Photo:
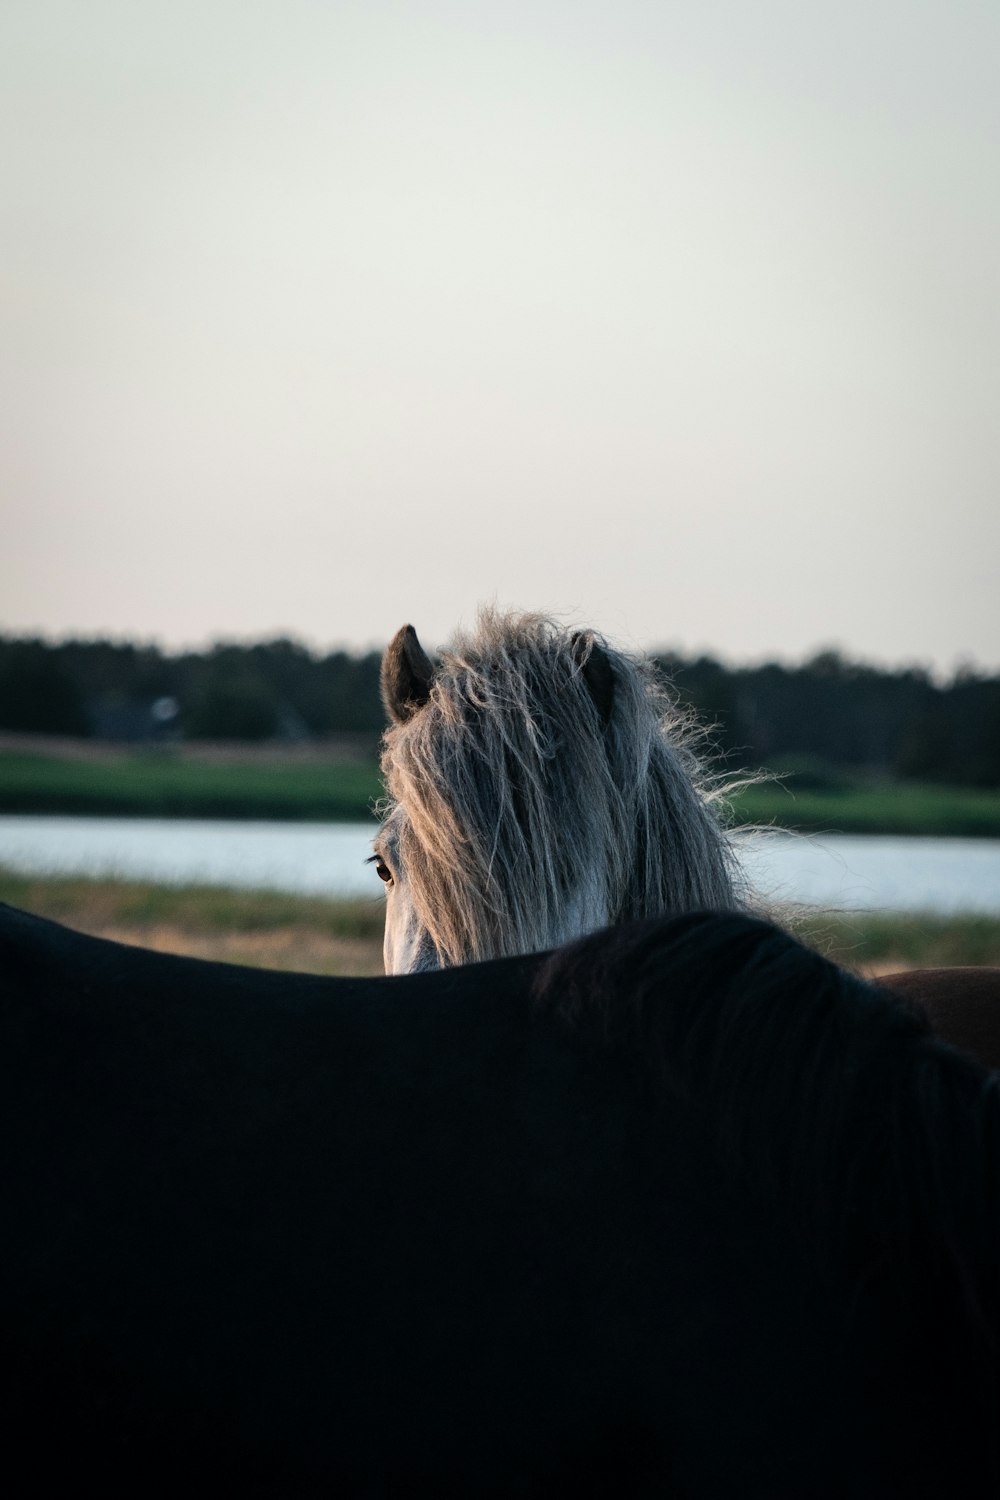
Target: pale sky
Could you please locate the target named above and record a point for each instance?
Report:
(683, 322)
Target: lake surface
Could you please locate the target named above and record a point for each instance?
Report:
(839, 870)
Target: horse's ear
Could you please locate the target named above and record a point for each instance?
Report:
(593, 661)
(407, 676)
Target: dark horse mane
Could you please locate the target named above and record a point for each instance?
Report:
(822, 1090)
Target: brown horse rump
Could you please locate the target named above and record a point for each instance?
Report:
(962, 1005)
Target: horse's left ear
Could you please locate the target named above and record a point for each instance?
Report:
(407, 676)
(592, 659)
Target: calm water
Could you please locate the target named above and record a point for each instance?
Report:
(843, 871)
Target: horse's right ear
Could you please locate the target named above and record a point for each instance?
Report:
(592, 659)
(407, 676)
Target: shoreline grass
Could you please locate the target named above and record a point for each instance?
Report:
(877, 942)
(270, 929)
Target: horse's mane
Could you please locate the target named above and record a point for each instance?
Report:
(525, 815)
(821, 1090)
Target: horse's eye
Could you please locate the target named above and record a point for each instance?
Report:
(382, 870)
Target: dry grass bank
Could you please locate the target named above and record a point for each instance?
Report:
(272, 930)
(266, 929)
(299, 949)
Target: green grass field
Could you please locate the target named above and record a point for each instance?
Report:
(273, 930)
(166, 785)
(909, 808)
(171, 784)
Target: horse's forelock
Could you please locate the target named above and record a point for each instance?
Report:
(526, 816)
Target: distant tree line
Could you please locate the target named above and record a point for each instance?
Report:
(108, 690)
(833, 713)
(826, 716)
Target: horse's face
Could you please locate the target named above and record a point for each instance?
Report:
(541, 787)
(489, 724)
(406, 947)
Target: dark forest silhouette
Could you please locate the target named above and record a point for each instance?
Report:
(824, 718)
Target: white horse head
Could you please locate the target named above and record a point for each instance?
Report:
(541, 785)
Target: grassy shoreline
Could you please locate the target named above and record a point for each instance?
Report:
(908, 809)
(273, 930)
(159, 784)
(173, 784)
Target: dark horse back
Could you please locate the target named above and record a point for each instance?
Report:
(428, 1235)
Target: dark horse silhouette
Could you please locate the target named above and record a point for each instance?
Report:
(680, 1210)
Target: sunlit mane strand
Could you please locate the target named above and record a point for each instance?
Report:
(543, 784)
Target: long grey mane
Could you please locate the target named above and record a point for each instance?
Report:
(525, 811)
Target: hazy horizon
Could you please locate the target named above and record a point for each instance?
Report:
(677, 322)
(651, 648)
